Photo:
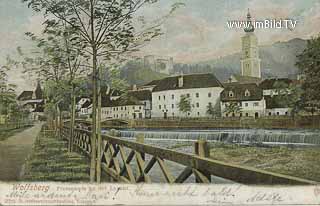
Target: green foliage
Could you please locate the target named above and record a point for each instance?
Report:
(308, 63)
(50, 161)
(288, 96)
(135, 73)
(185, 104)
(213, 112)
(232, 108)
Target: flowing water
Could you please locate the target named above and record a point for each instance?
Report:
(182, 140)
(295, 137)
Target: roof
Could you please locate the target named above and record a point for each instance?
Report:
(38, 92)
(239, 91)
(86, 104)
(154, 82)
(189, 82)
(246, 79)
(25, 95)
(269, 83)
(141, 95)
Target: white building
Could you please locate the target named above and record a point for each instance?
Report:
(248, 97)
(270, 89)
(86, 109)
(123, 109)
(201, 89)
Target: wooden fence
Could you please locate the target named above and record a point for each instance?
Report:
(118, 156)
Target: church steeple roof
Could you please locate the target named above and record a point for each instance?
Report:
(249, 26)
(38, 92)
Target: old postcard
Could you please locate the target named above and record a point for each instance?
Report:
(159, 102)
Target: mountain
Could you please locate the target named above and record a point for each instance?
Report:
(277, 60)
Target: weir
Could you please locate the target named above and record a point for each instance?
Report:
(277, 137)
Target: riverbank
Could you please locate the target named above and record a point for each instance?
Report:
(243, 123)
(298, 162)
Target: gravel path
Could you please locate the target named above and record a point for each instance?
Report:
(14, 151)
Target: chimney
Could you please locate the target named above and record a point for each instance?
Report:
(180, 81)
(134, 87)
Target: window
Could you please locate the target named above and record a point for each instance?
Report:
(231, 94)
(240, 114)
(278, 113)
(125, 108)
(121, 108)
(159, 98)
(210, 104)
(247, 115)
(188, 95)
(133, 107)
(247, 93)
(159, 106)
(197, 105)
(270, 113)
(140, 108)
(233, 114)
(256, 104)
(164, 97)
(172, 106)
(197, 95)
(209, 94)
(286, 113)
(198, 113)
(246, 104)
(172, 96)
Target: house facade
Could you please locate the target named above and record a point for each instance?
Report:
(271, 88)
(33, 102)
(242, 100)
(200, 89)
(123, 108)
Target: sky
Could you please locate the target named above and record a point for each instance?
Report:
(195, 32)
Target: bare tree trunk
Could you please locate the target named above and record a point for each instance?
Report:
(94, 98)
(99, 127)
(72, 122)
(56, 120)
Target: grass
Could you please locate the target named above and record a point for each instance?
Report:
(298, 162)
(50, 161)
(6, 133)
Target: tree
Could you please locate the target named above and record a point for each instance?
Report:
(288, 96)
(213, 112)
(232, 108)
(184, 104)
(107, 30)
(308, 63)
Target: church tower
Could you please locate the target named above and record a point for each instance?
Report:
(250, 61)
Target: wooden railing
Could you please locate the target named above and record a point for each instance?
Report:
(118, 156)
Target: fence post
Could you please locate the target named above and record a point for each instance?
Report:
(201, 149)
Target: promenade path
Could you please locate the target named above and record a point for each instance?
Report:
(14, 151)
